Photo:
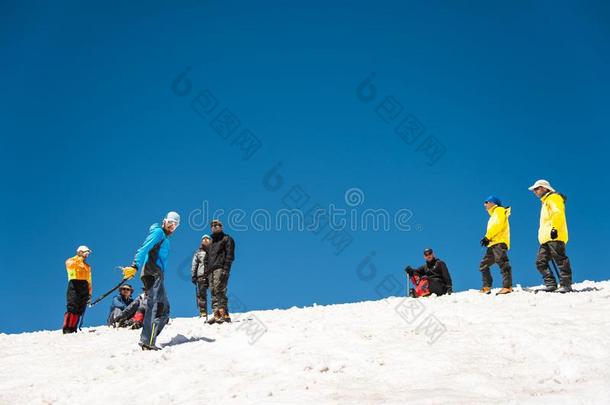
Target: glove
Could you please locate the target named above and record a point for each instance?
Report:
(485, 242)
(409, 270)
(194, 279)
(449, 290)
(129, 272)
(554, 234)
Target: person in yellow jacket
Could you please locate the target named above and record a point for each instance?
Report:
(497, 242)
(553, 237)
(79, 288)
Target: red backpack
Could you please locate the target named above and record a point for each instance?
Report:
(420, 286)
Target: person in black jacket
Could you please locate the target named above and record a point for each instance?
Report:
(217, 263)
(439, 280)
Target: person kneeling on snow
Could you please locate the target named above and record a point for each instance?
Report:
(133, 315)
(119, 303)
(431, 278)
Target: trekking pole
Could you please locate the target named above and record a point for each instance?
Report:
(82, 319)
(116, 287)
(554, 267)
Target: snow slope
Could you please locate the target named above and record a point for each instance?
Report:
(463, 348)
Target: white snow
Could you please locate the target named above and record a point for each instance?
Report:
(518, 348)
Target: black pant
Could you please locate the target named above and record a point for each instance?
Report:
(77, 296)
(202, 285)
(436, 287)
(496, 254)
(556, 251)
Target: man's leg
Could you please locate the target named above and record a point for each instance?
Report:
(486, 262)
(223, 300)
(162, 310)
(76, 302)
(152, 286)
(436, 287)
(542, 264)
(500, 252)
(558, 253)
(215, 284)
(202, 295)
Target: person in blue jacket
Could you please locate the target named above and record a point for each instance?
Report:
(151, 260)
(119, 303)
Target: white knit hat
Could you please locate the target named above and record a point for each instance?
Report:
(541, 183)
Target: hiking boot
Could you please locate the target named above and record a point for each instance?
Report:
(548, 288)
(223, 315)
(485, 290)
(146, 347)
(505, 291)
(564, 289)
(217, 318)
(203, 314)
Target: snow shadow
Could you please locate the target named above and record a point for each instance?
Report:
(587, 289)
(181, 339)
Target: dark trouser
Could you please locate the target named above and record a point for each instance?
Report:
(556, 251)
(496, 254)
(436, 287)
(77, 296)
(114, 315)
(157, 309)
(219, 280)
(202, 293)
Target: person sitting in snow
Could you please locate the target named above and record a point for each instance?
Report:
(133, 315)
(119, 303)
(431, 278)
(79, 288)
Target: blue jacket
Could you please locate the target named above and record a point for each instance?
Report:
(151, 258)
(119, 302)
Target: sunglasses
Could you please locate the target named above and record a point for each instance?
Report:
(216, 226)
(173, 223)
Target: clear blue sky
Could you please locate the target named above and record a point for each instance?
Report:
(97, 146)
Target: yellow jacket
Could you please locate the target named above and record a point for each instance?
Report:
(79, 270)
(553, 215)
(498, 228)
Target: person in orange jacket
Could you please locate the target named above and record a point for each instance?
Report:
(79, 288)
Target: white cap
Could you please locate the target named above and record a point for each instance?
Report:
(83, 249)
(205, 236)
(172, 217)
(541, 183)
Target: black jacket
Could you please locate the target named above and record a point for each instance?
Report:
(436, 270)
(220, 253)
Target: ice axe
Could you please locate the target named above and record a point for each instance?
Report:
(116, 287)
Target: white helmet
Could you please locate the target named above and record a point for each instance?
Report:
(83, 249)
(172, 217)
